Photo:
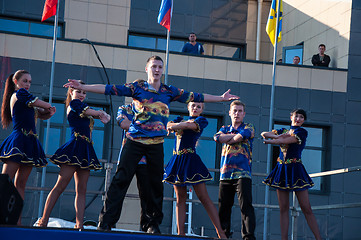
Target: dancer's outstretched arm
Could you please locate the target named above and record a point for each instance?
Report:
(223, 98)
(95, 88)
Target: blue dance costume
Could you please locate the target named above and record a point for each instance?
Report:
(78, 151)
(289, 173)
(22, 145)
(186, 167)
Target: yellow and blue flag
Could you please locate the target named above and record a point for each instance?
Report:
(272, 20)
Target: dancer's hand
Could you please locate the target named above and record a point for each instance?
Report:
(52, 110)
(104, 117)
(73, 84)
(228, 97)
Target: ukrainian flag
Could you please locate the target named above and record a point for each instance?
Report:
(272, 19)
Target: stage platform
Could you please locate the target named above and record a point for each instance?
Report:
(32, 233)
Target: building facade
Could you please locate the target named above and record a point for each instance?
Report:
(125, 34)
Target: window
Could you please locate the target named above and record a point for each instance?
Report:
(60, 132)
(290, 52)
(314, 153)
(206, 147)
(29, 27)
(176, 45)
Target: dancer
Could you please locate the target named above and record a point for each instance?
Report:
(236, 170)
(76, 157)
(186, 168)
(145, 136)
(290, 174)
(21, 150)
(148, 215)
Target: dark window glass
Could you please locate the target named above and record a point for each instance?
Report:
(143, 42)
(14, 26)
(29, 27)
(174, 45)
(58, 117)
(44, 30)
(160, 43)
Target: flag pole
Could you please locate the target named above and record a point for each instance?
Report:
(270, 124)
(167, 49)
(41, 198)
(167, 58)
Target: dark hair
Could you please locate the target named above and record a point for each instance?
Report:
(238, 103)
(298, 57)
(192, 33)
(322, 45)
(8, 92)
(299, 111)
(154, 58)
(68, 95)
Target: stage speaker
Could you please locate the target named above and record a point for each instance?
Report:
(11, 203)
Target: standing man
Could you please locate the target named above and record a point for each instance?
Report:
(321, 59)
(235, 171)
(150, 218)
(296, 60)
(192, 46)
(145, 136)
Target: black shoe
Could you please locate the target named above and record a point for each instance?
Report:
(104, 227)
(229, 234)
(154, 229)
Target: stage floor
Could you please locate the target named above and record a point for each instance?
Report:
(30, 233)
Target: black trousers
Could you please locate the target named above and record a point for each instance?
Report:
(149, 214)
(227, 190)
(131, 154)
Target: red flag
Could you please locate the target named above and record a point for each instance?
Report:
(49, 9)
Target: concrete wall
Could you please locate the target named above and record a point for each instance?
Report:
(97, 20)
(314, 22)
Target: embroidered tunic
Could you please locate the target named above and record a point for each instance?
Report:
(151, 108)
(236, 159)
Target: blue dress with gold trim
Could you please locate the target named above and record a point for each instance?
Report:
(289, 173)
(79, 150)
(22, 145)
(186, 167)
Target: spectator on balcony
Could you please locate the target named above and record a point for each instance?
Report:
(192, 46)
(321, 59)
(296, 60)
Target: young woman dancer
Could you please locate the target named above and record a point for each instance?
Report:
(290, 174)
(76, 157)
(21, 151)
(186, 167)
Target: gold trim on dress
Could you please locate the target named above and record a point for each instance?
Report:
(82, 114)
(30, 104)
(76, 135)
(29, 133)
(183, 151)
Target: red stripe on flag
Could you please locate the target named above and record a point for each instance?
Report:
(166, 20)
(49, 9)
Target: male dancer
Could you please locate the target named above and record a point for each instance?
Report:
(236, 162)
(146, 134)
